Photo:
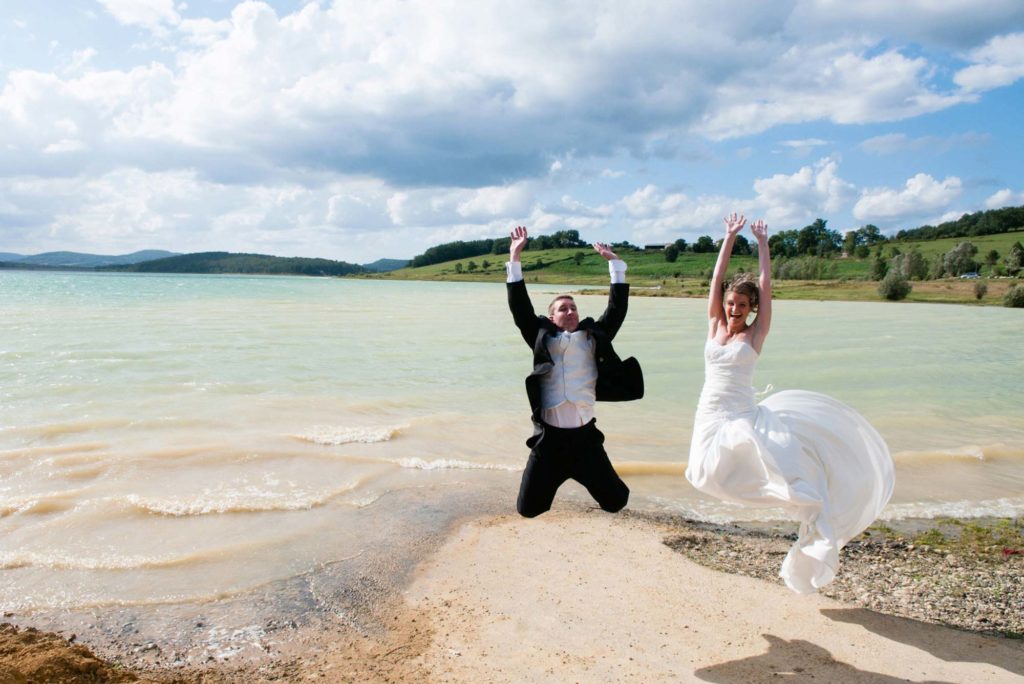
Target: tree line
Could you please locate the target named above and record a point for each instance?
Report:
(463, 249)
(253, 264)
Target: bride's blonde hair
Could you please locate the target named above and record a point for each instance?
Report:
(745, 284)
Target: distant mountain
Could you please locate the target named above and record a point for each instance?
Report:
(79, 260)
(385, 265)
(229, 262)
(10, 256)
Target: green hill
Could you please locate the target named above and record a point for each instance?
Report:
(254, 264)
(845, 278)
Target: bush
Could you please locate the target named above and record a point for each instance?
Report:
(1014, 297)
(980, 289)
(894, 286)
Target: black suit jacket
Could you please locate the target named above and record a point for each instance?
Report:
(617, 380)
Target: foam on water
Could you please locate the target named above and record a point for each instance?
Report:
(341, 434)
(451, 464)
(227, 499)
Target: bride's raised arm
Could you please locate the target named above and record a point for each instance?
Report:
(764, 283)
(716, 311)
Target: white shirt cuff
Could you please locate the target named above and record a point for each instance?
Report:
(513, 271)
(617, 270)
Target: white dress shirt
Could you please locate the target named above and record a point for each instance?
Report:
(568, 391)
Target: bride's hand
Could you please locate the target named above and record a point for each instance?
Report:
(734, 224)
(760, 229)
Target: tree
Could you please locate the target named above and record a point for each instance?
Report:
(850, 242)
(704, 244)
(991, 258)
(782, 243)
(1014, 260)
(912, 265)
(458, 267)
(741, 245)
(869, 235)
(960, 259)
(578, 258)
(485, 264)
(878, 268)
(817, 239)
(681, 245)
(671, 253)
(472, 266)
(980, 289)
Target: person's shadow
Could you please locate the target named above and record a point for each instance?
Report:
(944, 643)
(795, 660)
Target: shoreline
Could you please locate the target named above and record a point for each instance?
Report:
(408, 631)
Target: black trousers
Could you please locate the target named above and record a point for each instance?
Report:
(576, 453)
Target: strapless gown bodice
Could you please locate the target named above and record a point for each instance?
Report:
(805, 452)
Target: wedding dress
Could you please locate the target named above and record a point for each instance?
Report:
(805, 452)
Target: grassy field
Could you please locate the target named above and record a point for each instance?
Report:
(689, 275)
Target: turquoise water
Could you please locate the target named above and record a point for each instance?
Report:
(177, 438)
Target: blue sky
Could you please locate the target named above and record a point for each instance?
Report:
(362, 129)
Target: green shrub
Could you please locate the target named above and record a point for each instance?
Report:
(894, 286)
(980, 289)
(1014, 297)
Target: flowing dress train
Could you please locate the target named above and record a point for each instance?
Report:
(805, 452)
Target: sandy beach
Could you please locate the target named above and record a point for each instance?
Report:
(581, 596)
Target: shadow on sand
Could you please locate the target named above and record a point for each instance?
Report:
(795, 660)
(945, 643)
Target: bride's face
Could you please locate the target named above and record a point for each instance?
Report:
(737, 309)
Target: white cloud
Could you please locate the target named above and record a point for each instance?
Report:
(899, 143)
(805, 146)
(811, 192)
(839, 82)
(921, 196)
(422, 119)
(1000, 62)
(1005, 198)
(148, 13)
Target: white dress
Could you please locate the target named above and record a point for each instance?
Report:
(805, 452)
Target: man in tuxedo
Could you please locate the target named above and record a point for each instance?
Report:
(574, 365)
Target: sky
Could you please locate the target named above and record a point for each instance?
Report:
(366, 129)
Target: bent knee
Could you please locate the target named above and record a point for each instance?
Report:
(531, 512)
(617, 504)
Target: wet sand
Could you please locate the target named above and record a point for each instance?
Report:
(580, 595)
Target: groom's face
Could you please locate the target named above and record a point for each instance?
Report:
(563, 313)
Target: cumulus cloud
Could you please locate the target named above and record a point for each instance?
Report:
(840, 82)
(423, 119)
(810, 192)
(921, 196)
(1000, 62)
(1005, 198)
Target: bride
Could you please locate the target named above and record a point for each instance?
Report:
(805, 452)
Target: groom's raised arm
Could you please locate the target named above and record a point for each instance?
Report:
(618, 295)
(518, 300)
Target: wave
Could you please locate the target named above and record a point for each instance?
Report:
(451, 464)
(985, 452)
(248, 500)
(42, 504)
(336, 435)
(992, 508)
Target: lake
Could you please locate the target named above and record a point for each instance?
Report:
(169, 439)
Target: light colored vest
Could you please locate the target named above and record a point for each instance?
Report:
(573, 378)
